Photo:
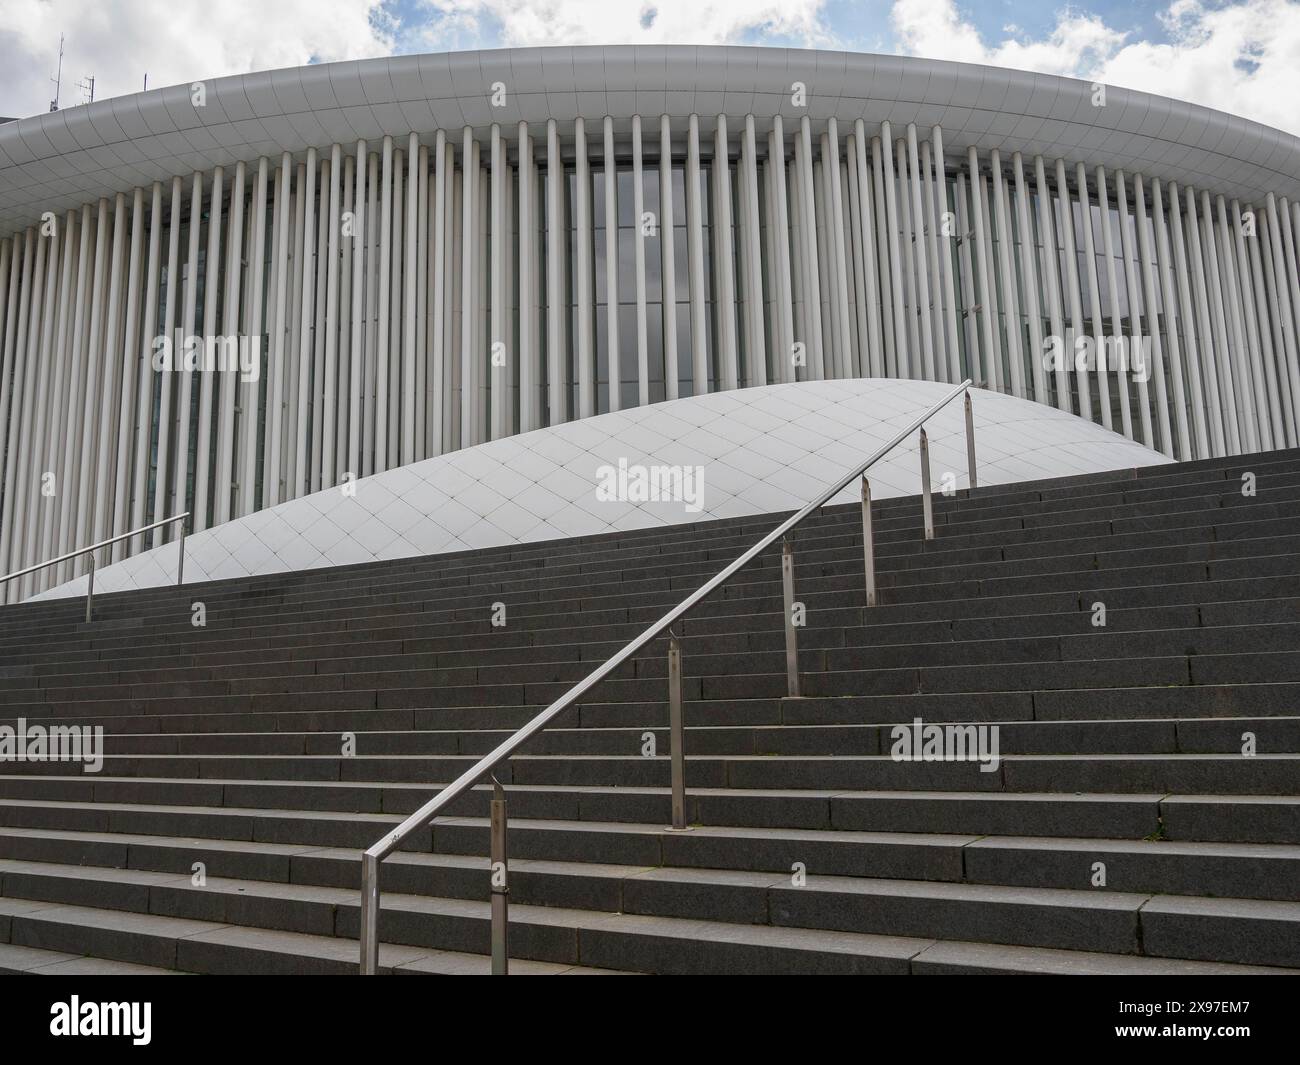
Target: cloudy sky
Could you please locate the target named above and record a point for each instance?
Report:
(1241, 56)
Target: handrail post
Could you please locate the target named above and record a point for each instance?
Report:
(868, 543)
(500, 882)
(927, 506)
(970, 443)
(369, 914)
(791, 635)
(676, 738)
(90, 588)
(180, 559)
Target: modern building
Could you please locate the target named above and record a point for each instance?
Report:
(225, 296)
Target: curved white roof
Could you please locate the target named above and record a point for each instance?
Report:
(56, 161)
(761, 450)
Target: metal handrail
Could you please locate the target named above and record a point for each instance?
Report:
(90, 587)
(369, 941)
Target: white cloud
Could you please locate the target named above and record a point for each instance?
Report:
(576, 22)
(1241, 57)
(173, 41)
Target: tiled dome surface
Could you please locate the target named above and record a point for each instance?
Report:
(762, 450)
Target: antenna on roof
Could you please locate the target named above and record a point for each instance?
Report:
(58, 78)
(87, 86)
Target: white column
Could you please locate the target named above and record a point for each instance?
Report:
(812, 281)
(1153, 319)
(174, 456)
(436, 394)
(900, 365)
(424, 341)
(638, 239)
(130, 359)
(1195, 351)
(342, 376)
(782, 349)
(934, 283)
(1138, 347)
(143, 403)
(249, 392)
(695, 239)
(498, 375)
(113, 378)
(1227, 386)
(1260, 376)
(455, 201)
(225, 471)
(1178, 394)
(383, 308)
(611, 260)
(864, 234)
(24, 488)
(911, 306)
(56, 432)
(50, 431)
(279, 341)
(1240, 298)
(1286, 212)
(1216, 413)
(949, 292)
(1116, 332)
(556, 303)
(724, 297)
(667, 258)
(16, 364)
(988, 290)
(927, 366)
(841, 359)
(1015, 359)
(1094, 294)
(8, 308)
(586, 348)
(11, 277)
(757, 351)
(888, 359)
(298, 484)
(1286, 319)
(528, 367)
(64, 530)
(1051, 282)
(802, 328)
(1072, 290)
(317, 400)
(482, 291)
(408, 307)
(970, 315)
(394, 309)
(286, 458)
(1030, 274)
(823, 361)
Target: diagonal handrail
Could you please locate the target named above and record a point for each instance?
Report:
(90, 587)
(379, 850)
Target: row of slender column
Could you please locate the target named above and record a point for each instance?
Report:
(424, 293)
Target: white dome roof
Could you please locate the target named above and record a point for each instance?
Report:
(759, 450)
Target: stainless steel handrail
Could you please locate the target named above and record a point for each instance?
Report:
(90, 587)
(377, 852)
